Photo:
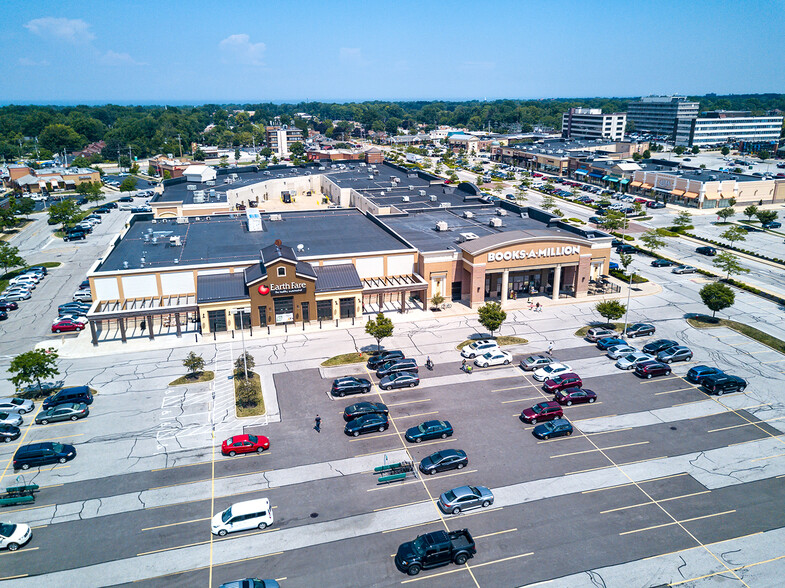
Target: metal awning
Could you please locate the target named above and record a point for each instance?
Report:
(624, 181)
(677, 192)
(595, 175)
(394, 284)
(712, 196)
(690, 195)
(646, 186)
(580, 172)
(131, 307)
(635, 184)
(612, 179)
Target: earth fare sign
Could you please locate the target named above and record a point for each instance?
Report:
(534, 253)
(287, 288)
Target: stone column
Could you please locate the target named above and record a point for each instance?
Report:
(403, 302)
(477, 292)
(556, 281)
(505, 286)
(121, 324)
(149, 319)
(94, 335)
(177, 324)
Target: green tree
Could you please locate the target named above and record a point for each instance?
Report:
(717, 296)
(653, 240)
(436, 300)
(246, 395)
(379, 328)
(750, 211)
(150, 170)
(734, 234)
(679, 150)
(766, 216)
(266, 151)
(243, 364)
(9, 257)
(725, 150)
(763, 155)
(547, 202)
(610, 310)
(193, 363)
(128, 185)
(726, 213)
(237, 154)
(647, 154)
(224, 161)
(30, 367)
(297, 149)
(626, 260)
(167, 174)
(557, 212)
(683, 219)
(696, 150)
(64, 212)
(729, 263)
(636, 156)
(135, 168)
(615, 220)
(24, 206)
(491, 316)
(199, 155)
(58, 137)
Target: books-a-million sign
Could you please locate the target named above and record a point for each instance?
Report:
(533, 253)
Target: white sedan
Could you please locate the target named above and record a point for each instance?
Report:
(628, 362)
(617, 351)
(77, 318)
(495, 357)
(551, 371)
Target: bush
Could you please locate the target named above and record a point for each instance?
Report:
(619, 274)
(629, 238)
(246, 394)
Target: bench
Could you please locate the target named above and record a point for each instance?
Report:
(22, 489)
(14, 500)
(384, 468)
(392, 478)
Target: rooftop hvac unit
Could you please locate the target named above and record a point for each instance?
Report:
(393, 178)
(373, 166)
(362, 164)
(495, 222)
(210, 182)
(468, 214)
(191, 187)
(275, 217)
(389, 189)
(445, 205)
(198, 199)
(468, 237)
(411, 187)
(212, 192)
(421, 192)
(441, 226)
(182, 220)
(199, 193)
(501, 212)
(405, 199)
(175, 241)
(432, 197)
(370, 177)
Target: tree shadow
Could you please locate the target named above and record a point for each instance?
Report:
(702, 318)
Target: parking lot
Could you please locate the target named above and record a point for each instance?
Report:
(653, 466)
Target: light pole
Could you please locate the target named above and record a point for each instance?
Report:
(242, 338)
(627, 310)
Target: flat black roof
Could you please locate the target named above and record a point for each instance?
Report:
(225, 239)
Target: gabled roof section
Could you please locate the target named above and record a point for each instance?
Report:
(305, 269)
(220, 288)
(254, 273)
(273, 253)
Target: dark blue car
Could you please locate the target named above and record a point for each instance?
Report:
(429, 430)
(699, 372)
(366, 424)
(555, 428)
(609, 342)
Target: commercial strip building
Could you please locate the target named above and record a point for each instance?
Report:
(739, 128)
(400, 238)
(29, 180)
(591, 123)
(670, 116)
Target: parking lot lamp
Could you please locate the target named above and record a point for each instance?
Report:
(627, 311)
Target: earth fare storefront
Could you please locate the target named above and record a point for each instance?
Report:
(519, 264)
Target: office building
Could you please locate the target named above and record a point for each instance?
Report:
(722, 127)
(662, 115)
(591, 123)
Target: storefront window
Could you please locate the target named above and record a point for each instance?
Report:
(216, 320)
(324, 310)
(284, 309)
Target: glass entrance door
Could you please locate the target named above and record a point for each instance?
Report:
(284, 309)
(347, 307)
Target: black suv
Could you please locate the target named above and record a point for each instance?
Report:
(719, 384)
(710, 251)
(395, 366)
(77, 394)
(38, 454)
(75, 235)
(659, 345)
(639, 330)
(380, 357)
(350, 385)
(626, 248)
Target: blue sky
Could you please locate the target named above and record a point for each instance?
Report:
(196, 52)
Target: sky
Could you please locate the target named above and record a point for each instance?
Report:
(257, 51)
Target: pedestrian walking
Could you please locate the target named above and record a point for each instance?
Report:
(538, 308)
(143, 325)
(318, 424)
(463, 365)
(531, 305)
(429, 363)
(550, 347)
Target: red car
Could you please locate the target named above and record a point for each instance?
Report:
(244, 444)
(544, 411)
(66, 325)
(641, 201)
(562, 381)
(649, 369)
(536, 175)
(572, 396)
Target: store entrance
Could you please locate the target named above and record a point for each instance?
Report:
(284, 309)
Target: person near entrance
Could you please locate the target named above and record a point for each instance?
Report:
(317, 424)
(550, 347)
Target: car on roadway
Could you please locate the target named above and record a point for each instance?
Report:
(534, 362)
(20, 405)
(596, 333)
(617, 351)
(570, 396)
(243, 516)
(684, 269)
(464, 498)
(395, 366)
(444, 460)
(9, 433)
(366, 424)
(562, 381)
(675, 353)
(74, 306)
(661, 263)
(244, 444)
(710, 251)
(541, 412)
(62, 412)
(42, 453)
(720, 384)
(75, 235)
(551, 370)
(650, 369)
(350, 385)
(378, 358)
(75, 316)
(629, 362)
(607, 342)
(640, 330)
(251, 583)
(555, 428)
(652, 204)
(399, 380)
(429, 430)
(491, 358)
(362, 408)
(772, 224)
(697, 373)
(659, 345)
(626, 248)
(14, 535)
(479, 348)
(66, 325)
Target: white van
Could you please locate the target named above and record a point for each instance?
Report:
(242, 517)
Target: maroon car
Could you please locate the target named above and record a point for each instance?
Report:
(544, 411)
(562, 381)
(572, 396)
(66, 325)
(649, 369)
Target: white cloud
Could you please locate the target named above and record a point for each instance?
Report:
(71, 30)
(352, 56)
(113, 58)
(239, 49)
(29, 62)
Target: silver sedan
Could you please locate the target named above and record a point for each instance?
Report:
(465, 497)
(10, 418)
(19, 405)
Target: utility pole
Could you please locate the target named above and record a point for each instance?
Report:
(129, 158)
(180, 144)
(627, 311)
(118, 160)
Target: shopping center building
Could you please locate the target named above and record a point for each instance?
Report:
(391, 239)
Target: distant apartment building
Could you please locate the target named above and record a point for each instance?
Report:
(663, 115)
(52, 179)
(721, 127)
(280, 138)
(591, 123)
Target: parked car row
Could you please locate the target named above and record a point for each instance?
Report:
(20, 288)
